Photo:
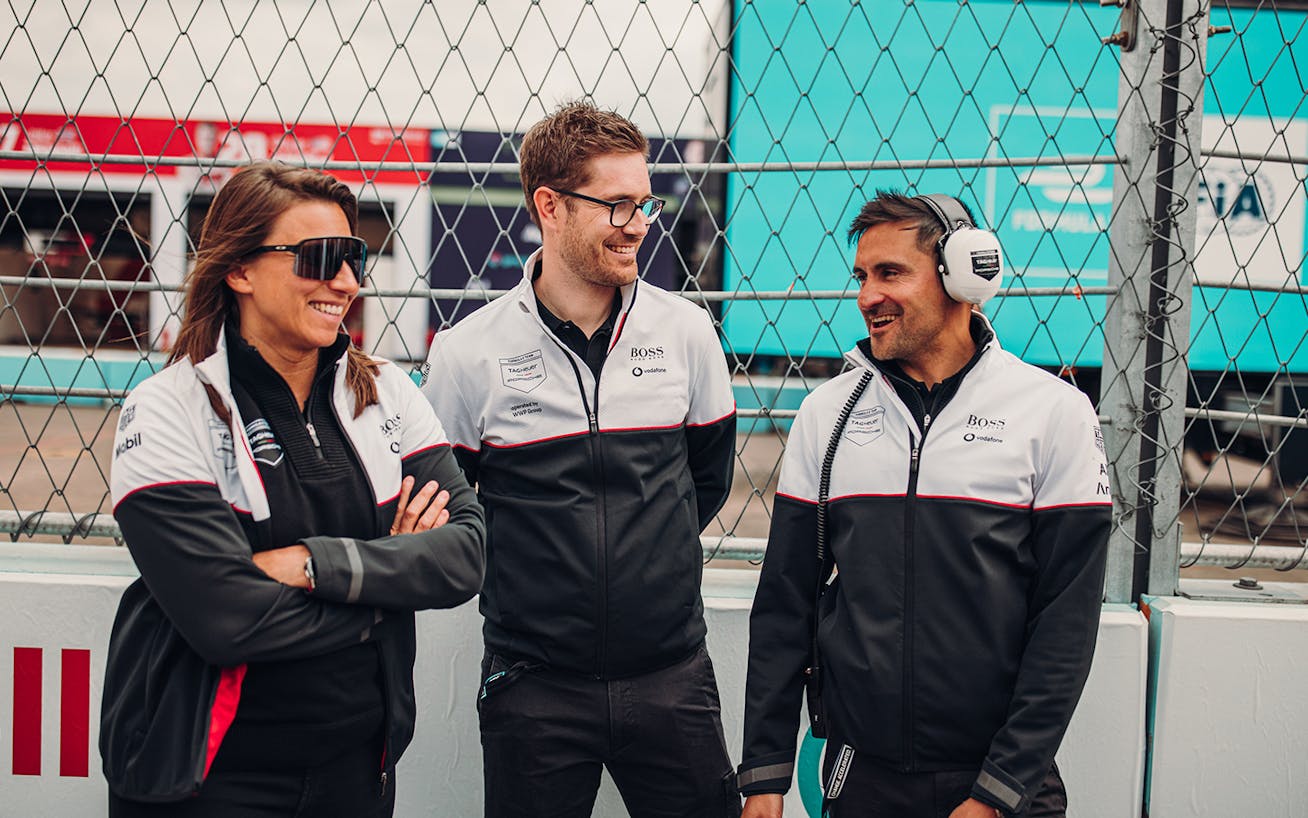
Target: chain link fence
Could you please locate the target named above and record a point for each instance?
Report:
(1143, 165)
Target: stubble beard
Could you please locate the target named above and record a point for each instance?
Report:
(592, 263)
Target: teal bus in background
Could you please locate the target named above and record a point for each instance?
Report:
(943, 80)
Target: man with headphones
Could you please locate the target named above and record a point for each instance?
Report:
(935, 565)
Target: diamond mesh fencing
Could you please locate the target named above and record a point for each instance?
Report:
(1144, 167)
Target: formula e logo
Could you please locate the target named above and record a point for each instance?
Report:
(523, 372)
(865, 425)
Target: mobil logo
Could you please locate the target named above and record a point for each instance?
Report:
(70, 728)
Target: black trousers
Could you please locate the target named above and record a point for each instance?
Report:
(546, 734)
(873, 791)
(348, 786)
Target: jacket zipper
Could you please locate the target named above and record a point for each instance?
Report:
(313, 435)
(386, 718)
(381, 651)
(910, 535)
(601, 549)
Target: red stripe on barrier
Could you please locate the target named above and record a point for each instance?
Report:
(27, 711)
(74, 712)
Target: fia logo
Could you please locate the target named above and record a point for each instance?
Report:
(1238, 199)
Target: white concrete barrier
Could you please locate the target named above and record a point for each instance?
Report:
(58, 604)
(1229, 727)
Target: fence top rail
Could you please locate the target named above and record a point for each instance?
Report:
(431, 168)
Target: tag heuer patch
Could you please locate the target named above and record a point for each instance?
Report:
(523, 372)
(865, 425)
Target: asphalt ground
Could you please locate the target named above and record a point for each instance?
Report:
(56, 457)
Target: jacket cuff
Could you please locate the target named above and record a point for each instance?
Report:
(763, 775)
(999, 790)
(338, 567)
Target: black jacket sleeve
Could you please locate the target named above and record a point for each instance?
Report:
(780, 638)
(196, 562)
(1070, 549)
(711, 450)
(438, 568)
(1071, 519)
(710, 421)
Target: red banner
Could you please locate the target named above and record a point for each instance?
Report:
(155, 139)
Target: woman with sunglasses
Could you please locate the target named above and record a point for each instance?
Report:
(289, 502)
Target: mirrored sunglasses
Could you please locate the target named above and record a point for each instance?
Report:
(321, 258)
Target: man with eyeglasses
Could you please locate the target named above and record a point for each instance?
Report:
(594, 413)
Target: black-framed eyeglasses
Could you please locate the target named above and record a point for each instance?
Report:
(622, 211)
(321, 258)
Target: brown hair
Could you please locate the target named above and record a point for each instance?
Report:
(555, 150)
(238, 221)
(893, 206)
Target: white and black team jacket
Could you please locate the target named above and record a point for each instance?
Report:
(192, 505)
(595, 491)
(958, 632)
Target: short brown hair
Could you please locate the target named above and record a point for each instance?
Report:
(555, 150)
(892, 206)
(238, 221)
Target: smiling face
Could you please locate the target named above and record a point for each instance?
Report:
(589, 246)
(285, 316)
(910, 318)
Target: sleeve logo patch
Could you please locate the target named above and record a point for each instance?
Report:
(523, 372)
(865, 425)
(126, 418)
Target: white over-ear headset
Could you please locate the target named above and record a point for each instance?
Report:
(971, 260)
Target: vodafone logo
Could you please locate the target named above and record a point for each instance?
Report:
(74, 696)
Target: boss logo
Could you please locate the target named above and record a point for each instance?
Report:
(391, 425)
(646, 353)
(986, 424)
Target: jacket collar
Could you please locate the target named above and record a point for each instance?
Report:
(983, 333)
(216, 369)
(525, 295)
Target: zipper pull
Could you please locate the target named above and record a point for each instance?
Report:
(313, 435)
(913, 456)
(926, 424)
(383, 785)
(594, 424)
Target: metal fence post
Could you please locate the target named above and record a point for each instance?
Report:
(1147, 326)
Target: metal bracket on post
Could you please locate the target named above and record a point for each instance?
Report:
(1125, 36)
